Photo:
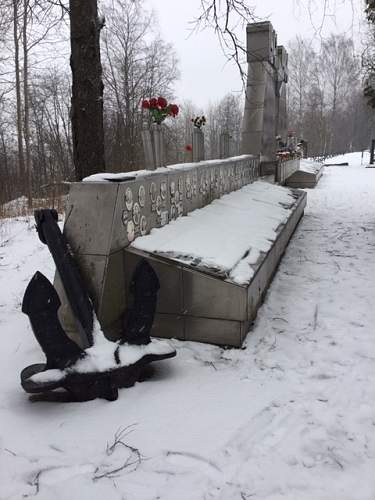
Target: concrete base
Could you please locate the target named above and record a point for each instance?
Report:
(303, 179)
(285, 169)
(268, 168)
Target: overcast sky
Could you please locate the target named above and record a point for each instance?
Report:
(205, 74)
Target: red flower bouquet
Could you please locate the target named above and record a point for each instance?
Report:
(160, 109)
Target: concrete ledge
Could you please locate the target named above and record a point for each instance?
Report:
(305, 177)
(285, 169)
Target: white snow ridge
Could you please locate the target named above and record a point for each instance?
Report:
(290, 417)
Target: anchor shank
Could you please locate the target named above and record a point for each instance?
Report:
(80, 303)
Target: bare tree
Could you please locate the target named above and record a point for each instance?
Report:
(302, 63)
(51, 133)
(138, 64)
(224, 117)
(324, 101)
(87, 88)
(227, 18)
(340, 68)
(16, 41)
(368, 56)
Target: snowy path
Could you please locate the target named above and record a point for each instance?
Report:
(292, 416)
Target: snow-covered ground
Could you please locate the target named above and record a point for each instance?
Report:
(290, 417)
(351, 158)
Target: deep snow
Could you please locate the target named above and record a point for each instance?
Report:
(292, 416)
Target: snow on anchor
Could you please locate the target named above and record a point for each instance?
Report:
(100, 366)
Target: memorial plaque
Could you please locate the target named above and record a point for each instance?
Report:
(189, 197)
(176, 194)
(141, 205)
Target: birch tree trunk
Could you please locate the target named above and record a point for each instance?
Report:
(21, 160)
(29, 183)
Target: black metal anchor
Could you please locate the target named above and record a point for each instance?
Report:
(139, 318)
(63, 368)
(80, 303)
(41, 303)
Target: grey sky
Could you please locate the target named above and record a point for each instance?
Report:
(205, 74)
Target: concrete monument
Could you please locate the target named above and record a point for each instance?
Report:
(265, 114)
(195, 302)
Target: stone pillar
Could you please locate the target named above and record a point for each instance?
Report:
(282, 79)
(225, 145)
(153, 146)
(147, 149)
(158, 136)
(198, 144)
(259, 124)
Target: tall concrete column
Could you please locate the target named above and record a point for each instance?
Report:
(281, 104)
(259, 124)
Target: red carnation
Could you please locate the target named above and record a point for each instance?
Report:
(153, 102)
(145, 104)
(174, 109)
(162, 102)
(188, 147)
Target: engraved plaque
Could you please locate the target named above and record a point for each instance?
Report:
(143, 225)
(153, 192)
(125, 217)
(158, 204)
(130, 230)
(163, 190)
(142, 196)
(136, 213)
(128, 198)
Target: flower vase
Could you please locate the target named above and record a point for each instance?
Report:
(158, 143)
(153, 146)
(148, 149)
(198, 144)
